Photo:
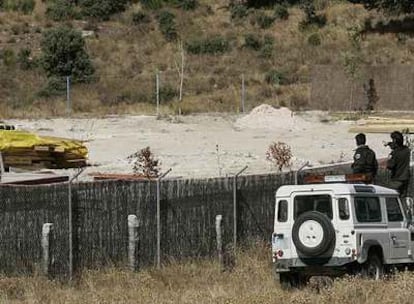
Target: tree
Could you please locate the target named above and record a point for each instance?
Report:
(394, 7)
(352, 61)
(64, 54)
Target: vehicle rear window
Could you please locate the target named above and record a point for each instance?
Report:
(320, 203)
(394, 212)
(368, 209)
(282, 211)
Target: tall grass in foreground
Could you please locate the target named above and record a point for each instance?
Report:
(201, 281)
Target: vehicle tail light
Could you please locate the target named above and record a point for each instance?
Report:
(354, 254)
(279, 253)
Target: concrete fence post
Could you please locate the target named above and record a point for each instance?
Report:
(219, 235)
(133, 239)
(47, 236)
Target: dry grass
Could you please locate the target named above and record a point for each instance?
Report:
(202, 282)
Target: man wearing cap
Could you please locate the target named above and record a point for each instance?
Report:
(365, 160)
(399, 164)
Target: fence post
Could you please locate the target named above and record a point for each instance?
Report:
(157, 92)
(159, 217)
(68, 101)
(133, 226)
(47, 236)
(219, 234)
(70, 217)
(235, 206)
(243, 94)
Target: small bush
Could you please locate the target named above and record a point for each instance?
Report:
(145, 163)
(8, 57)
(140, 18)
(215, 45)
(152, 4)
(167, 25)
(101, 9)
(267, 49)
(275, 77)
(280, 154)
(264, 21)
(167, 94)
(55, 86)
(314, 39)
(24, 59)
(238, 11)
(188, 5)
(281, 12)
(24, 6)
(252, 42)
(60, 10)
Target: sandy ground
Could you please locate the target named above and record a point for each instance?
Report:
(210, 145)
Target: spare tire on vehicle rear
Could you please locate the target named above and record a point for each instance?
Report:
(313, 235)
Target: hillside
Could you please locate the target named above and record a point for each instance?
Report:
(274, 51)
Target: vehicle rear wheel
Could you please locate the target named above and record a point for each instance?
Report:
(313, 234)
(373, 268)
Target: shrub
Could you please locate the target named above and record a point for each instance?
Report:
(167, 25)
(281, 12)
(167, 93)
(8, 57)
(314, 39)
(140, 18)
(264, 21)
(311, 18)
(102, 9)
(252, 42)
(145, 163)
(238, 11)
(214, 45)
(55, 86)
(152, 4)
(275, 77)
(24, 6)
(64, 54)
(188, 5)
(280, 155)
(267, 49)
(24, 59)
(60, 10)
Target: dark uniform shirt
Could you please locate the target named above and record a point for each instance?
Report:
(399, 164)
(365, 161)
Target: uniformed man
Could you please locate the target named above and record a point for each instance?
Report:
(399, 164)
(365, 160)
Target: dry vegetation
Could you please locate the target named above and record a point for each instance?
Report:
(126, 57)
(202, 282)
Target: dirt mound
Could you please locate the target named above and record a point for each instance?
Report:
(266, 116)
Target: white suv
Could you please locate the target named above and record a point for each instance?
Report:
(339, 228)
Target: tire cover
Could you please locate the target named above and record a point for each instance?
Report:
(313, 234)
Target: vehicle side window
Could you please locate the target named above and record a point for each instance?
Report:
(343, 208)
(368, 209)
(394, 212)
(282, 211)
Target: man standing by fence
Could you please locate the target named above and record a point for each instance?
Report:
(365, 160)
(399, 164)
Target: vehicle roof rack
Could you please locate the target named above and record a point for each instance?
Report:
(354, 178)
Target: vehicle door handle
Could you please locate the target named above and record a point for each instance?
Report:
(394, 238)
